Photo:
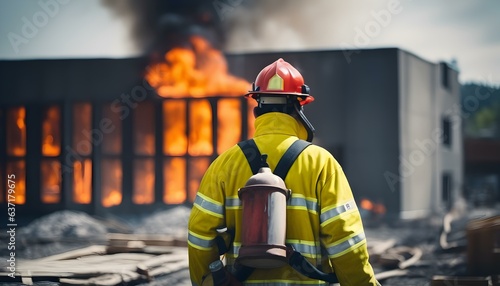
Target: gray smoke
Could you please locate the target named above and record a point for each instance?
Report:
(246, 25)
(295, 24)
(158, 25)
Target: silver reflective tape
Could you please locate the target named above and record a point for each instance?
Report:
(205, 243)
(208, 205)
(350, 205)
(303, 202)
(345, 245)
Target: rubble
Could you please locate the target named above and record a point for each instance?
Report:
(426, 252)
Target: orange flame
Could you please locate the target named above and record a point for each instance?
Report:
(16, 130)
(111, 182)
(174, 181)
(144, 181)
(196, 72)
(51, 181)
(82, 168)
(51, 133)
(377, 208)
(82, 181)
(19, 169)
(366, 204)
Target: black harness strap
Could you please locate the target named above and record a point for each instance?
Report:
(289, 158)
(252, 154)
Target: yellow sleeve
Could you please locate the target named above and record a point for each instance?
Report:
(206, 217)
(342, 232)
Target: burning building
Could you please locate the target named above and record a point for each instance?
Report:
(115, 134)
(100, 135)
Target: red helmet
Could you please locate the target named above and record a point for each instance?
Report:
(281, 79)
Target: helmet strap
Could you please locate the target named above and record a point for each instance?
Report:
(307, 124)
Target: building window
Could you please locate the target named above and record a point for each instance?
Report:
(83, 147)
(111, 163)
(445, 82)
(16, 150)
(446, 188)
(51, 150)
(144, 151)
(447, 135)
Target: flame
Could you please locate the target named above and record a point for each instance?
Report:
(366, 204)
(82, 121)
(174, 127)
(197, 168)
(111, 182)
(174, 181)
(82, 169)
(51, 181)
(199, 71)
(18, 168)
(144, 181)
(379, 209)
(16, 131)
(229, 119)
(51, 133)
(144, 129)
(82, 181)
(376, 208)
(112, 141)
(200, 124)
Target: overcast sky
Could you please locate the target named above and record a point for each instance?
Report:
(465, 30)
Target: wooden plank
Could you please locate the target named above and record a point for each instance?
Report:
(94, 249)
(94, 266)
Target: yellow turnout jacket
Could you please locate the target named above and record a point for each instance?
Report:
(323, 222)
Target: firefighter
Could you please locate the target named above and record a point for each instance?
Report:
(322, 219)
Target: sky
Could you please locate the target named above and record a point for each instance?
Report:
(462, 30)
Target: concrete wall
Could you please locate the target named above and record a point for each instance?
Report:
(424, 102)
(418, 145)
(449, 159)
(372, 132)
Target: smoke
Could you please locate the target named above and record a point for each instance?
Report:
(295, 24)
(244, 25)
(159, 25)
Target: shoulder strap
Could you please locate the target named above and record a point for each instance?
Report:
(252, 154)
(289, 158)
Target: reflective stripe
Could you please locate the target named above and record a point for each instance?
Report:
(234, 249)
(209, 205)
(340, 248)
(330, 214)
(300, 202)
(199, 241)
(308, 249)
(233, 203)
